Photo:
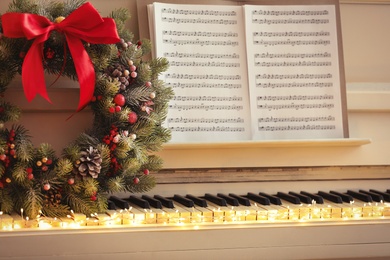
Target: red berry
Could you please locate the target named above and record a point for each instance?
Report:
(30, 176)
(146, 172)
(111, 110)
(70, 181)
(46, 186)
(93, 198)
(118, 108)
(3, 157)
(120, 100)
(135, 180)
(132, 117)
(29, 170)
(49, 161)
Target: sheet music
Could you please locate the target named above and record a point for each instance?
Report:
(208, 73)
(252, 72)
(293, 70)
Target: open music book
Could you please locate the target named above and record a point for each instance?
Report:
(251, 72)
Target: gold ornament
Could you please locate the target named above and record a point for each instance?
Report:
(39, 163)
(44, 159)
(59, 19)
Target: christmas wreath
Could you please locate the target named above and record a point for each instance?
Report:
(117, 82)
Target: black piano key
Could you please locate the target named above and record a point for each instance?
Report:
(360, 196)
(198, 201)
(345, 197)
(288, 197)
(110, 205)
(303, 198)
(168, 203)
(119, 203)
(331, 197)
(273, 199)
(215, 199)
(139, 202)
(241, 200)
(184, 201)
(317, 198)
(386, 196)
(229, 200)
(375, 196)
(155, 203)
(258, 198)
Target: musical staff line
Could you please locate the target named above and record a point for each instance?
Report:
(290, 12)
(295, 85)
(198, 21)
(197, 55)
(207, 129)
(205, 107)
(294, 76)
(202, 76)
(291, 34)
(205, 64)
(294, 64)
(201, 42)
(295, 106)
(197, 12)
(290, 21)
(295, 119)
(297, 128)
(204, 85)
(200, 34)
(291, 42)
(203, 120)
(295, 97)
(292, 55)
(206, 98)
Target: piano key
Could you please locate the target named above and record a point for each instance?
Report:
(345, 197)
(155, 203)
(197, 200)
(318, 199)
(259, 212)
(273, 199)
(184, 201)
(360, 196)
(241, 200)
(375, 197)
(207, 214)
(165, 201)
(119, 203)
(215, 199)
(229, 200)
(257, 198)
(144, 204)
(386, 196)
(331, 197)
(288, 197)
(302, 197)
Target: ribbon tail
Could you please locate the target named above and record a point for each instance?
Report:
(33, 78)
(84, 69)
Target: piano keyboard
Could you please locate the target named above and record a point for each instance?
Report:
(291, 206)
(223, 208)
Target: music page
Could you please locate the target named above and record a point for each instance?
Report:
(205, 47)
(294, 75)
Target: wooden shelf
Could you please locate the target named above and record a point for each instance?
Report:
(342, 142)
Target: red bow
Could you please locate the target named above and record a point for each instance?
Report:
(84, 23)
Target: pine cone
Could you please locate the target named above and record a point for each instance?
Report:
(119, 72)
(52, 198)
(90, 163)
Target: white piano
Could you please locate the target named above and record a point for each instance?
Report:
(362, 162)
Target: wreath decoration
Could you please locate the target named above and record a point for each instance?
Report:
(117, 82)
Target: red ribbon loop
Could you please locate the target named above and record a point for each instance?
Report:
(84, 23)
